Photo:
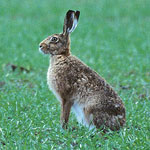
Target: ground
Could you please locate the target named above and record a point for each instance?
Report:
(112, 37)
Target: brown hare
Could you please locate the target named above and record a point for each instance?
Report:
(77, 86)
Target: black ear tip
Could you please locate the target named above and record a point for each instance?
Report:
(77, 14)
(70, 11)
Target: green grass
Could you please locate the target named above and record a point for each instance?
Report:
(112, 37)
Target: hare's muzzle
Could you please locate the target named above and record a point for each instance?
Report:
(41, 48)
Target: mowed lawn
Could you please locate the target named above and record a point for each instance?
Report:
(112, 37)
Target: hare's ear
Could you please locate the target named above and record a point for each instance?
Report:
(71, 21)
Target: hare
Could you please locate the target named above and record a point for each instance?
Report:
(77, 86)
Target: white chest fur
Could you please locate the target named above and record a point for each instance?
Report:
(51, 84)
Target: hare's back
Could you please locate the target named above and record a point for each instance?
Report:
(84, 76)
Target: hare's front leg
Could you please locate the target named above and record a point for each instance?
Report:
(65, 112)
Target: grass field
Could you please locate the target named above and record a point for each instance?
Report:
(112, 37)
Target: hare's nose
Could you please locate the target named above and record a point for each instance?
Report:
(40, 46)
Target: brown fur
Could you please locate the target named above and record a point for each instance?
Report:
(77, 85)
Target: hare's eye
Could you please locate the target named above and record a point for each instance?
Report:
(54, 39)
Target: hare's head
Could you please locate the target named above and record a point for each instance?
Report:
(59, 44)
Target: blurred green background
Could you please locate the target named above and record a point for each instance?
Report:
(112, 37)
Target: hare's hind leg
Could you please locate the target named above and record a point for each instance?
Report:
(103, 120)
